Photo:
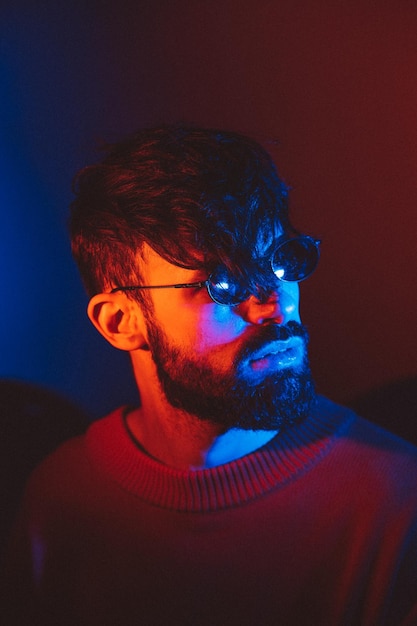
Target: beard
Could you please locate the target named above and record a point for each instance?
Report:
(232, 400)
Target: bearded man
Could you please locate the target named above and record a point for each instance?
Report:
(232, 494)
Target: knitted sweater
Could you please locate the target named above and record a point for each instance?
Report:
(318, 527)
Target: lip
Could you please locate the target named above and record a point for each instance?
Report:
(276, 348)
(278, 354)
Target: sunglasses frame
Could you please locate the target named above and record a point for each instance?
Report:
(207, 283)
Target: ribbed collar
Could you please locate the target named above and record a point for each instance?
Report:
(284, 458)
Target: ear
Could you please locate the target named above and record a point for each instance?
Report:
(119, 319)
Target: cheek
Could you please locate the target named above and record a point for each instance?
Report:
(201, 327)
(218, 325)
(289, 302)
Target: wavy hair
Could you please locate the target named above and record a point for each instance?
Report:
(198, 197)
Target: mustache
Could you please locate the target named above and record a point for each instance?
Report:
(268, 333)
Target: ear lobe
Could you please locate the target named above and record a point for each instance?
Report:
(119, 320)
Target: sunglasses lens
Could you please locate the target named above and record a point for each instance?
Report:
(295, 259)
(224, 289)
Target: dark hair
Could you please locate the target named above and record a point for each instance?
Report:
(198, 197)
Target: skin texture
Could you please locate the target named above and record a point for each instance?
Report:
(218, 342)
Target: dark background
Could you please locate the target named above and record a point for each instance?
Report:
(334, 81)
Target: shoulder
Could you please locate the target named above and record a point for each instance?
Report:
(372, 454)
(364, 431)
(70, 465)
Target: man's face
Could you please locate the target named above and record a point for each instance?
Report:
(243, 366)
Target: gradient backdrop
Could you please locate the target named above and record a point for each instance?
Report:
(334, 81)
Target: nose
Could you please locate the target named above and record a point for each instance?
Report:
(279, 307)
(262, 311)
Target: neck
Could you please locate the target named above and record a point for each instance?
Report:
(185, 442)
(179, 439)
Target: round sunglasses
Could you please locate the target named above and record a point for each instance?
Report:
(293, 260)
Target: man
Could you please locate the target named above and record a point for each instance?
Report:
(233, 494)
